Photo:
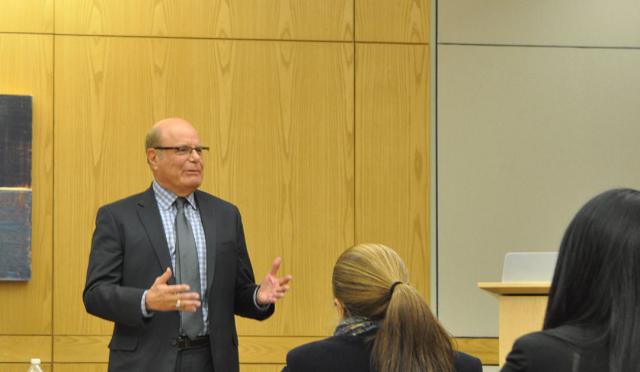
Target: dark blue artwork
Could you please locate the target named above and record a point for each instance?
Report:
(15, 187)
(15, 234)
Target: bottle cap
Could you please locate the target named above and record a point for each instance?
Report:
(35, 361)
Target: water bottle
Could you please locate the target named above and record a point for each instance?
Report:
(35, 365)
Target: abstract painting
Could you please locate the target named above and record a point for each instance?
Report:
(15, 187)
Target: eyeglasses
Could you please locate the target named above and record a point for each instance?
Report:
(184, 150)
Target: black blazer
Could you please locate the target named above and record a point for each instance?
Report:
(129, 250)
(351, 354)
(562, 349)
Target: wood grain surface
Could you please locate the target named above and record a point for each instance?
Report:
(399, 21)
(322, 142)
(254, 350)
(27, 16)
(392, 152)
(244, 19)
(20, 349)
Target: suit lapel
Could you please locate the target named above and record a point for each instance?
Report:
(208, 218)
(152, 222)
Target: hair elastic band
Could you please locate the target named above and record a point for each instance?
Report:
(393, 286)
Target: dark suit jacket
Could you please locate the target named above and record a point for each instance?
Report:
(351, 354)
(563, 349)
(129, 250)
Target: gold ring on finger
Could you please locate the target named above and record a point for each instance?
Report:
(177, 303)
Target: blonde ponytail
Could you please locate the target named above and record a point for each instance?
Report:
(410, 339)
(370, 280)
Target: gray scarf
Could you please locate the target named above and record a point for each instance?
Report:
(354, 326)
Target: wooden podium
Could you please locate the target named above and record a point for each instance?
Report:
(521, 310)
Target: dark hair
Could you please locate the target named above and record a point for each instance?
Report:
(370, 280)
(597, 278)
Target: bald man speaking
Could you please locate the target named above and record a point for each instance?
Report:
(170, 267)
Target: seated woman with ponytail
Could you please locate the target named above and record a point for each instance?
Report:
(386, 324)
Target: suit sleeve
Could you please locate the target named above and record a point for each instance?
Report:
(466, 363)
(104, 295)
(245, 280)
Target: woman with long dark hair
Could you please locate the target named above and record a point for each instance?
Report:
(386, 324)
(592, 321)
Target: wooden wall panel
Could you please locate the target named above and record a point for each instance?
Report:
(404, 21)
(271, 350)
(80, 367)
(282, 138)
(392, 152)
(286, 159)
(100, 125)
(94, 349)
(253, 19)
(26, 16)
(261, 367)
(21, 367)
(20, 349)
(27, 68)
(81, 349)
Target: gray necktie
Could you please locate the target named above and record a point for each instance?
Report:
(187, 269)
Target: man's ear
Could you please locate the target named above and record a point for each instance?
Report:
(152, 158)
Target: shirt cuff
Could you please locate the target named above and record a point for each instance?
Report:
(255, 301)
(143, 305)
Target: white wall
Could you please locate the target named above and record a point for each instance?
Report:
(537, 110)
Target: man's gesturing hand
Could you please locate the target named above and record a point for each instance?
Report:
(164, 297)
(273, 288)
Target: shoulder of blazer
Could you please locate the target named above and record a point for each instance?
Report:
(206, 200)
(144, 198)
(579, 337)
(330, 350)
(540, 351)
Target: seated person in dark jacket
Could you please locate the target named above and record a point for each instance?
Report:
(592, 323)
(386, 324)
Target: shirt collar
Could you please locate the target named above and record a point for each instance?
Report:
(166, 198)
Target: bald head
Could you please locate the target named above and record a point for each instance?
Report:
(154, 134)
(176, 171)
